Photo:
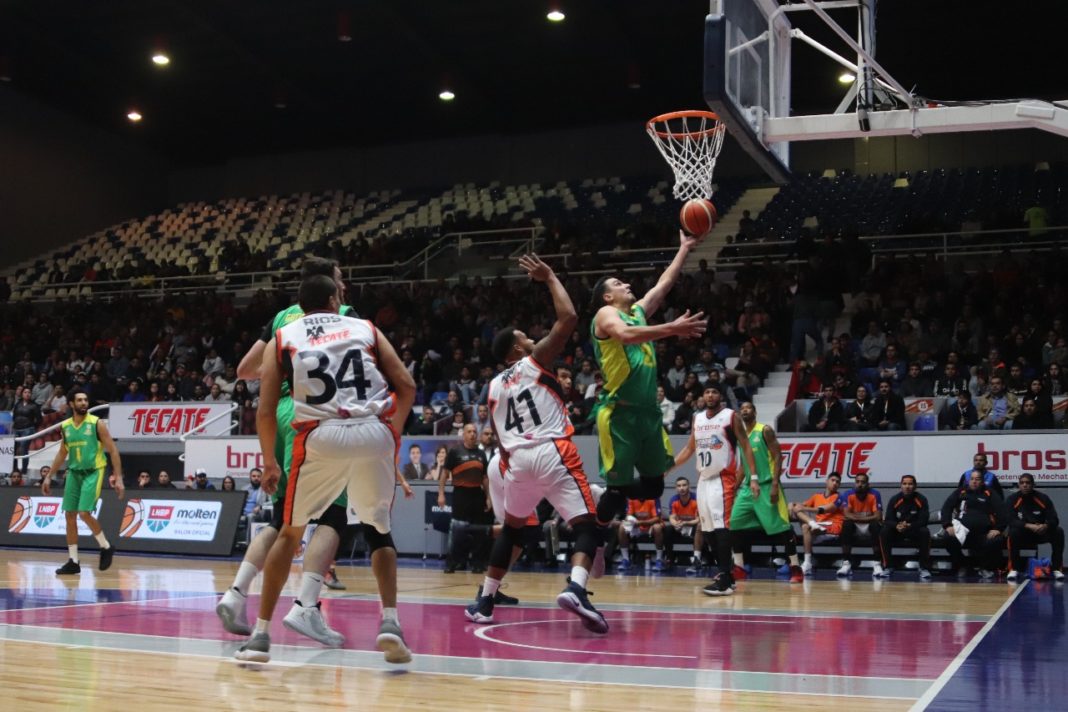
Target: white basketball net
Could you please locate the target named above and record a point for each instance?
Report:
(690, 142)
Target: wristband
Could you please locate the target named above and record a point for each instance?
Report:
(754, 478)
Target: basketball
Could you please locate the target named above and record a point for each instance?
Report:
(698, 216)
(20, 515)
(132, 518)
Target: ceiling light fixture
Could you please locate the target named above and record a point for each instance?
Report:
(446, 95)
(555, 15)
(160, 59)
(344, 26)
(134, 115)
(847, 78)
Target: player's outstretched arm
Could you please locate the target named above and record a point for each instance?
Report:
(249, 368)
(266, 420)
(552, 345)
(654, 298)
(608, 324)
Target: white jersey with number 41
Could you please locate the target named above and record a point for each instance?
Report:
(331, 362)
(527, 406)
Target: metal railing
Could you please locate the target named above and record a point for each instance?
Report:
(50, 428)
(964, 243)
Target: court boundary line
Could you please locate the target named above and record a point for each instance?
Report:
(396, 668)
(102, 603)
(928, 697)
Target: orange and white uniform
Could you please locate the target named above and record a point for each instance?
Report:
(717, 466)
(538, 457)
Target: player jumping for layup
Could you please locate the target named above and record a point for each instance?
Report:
(539, 459)
(630, 426)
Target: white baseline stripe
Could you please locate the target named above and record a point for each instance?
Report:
(951, 670)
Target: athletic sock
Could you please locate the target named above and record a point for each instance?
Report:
(579, 576)
(245, 574)
(490, 586)
(808, 559)
(793, 560)
(390, 614)
(739, 559)
(101, 540)
(262, 626)
(310, 586)
(73, 549)
(659, 554)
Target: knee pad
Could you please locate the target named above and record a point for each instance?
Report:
(588, 537)
(334, 517)
(613, 504)
(531, 535)
(377, 540)
(649, 488)
(501, 554)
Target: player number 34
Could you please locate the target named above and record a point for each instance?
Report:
(353, 361)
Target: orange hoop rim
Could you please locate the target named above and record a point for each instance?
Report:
(685, 114)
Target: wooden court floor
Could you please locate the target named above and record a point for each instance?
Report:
(144, 635)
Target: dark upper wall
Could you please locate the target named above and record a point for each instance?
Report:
(61, 179)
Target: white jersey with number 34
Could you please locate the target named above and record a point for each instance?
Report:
(527, 406)
(331, 362)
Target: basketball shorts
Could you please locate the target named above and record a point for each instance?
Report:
(337, 457)
(283, 452)
(632, 439)
(82, 490)
(550, 470)
(715, 498)
(497, 487)
(760, 513)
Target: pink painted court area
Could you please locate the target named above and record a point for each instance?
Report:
(728, 641)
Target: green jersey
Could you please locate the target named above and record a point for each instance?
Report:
(85, 452)
(291, 314)
(761, 455)
(629, 369)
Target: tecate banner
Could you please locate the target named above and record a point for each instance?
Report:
(221, 457)
(175, 519)
(43, 515)
(934, 459)
(166, 421)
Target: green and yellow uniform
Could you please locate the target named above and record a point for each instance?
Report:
(760, 513)
(630, 429)
(283, 442)
(85, 464)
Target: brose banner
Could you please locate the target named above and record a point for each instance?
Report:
(176, 519)
(166, 421)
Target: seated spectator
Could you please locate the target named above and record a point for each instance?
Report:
(915, 385)
(1043, 403)
(423, 425)
(906, 518)
(892, 367)
(1016, 384)
(862, 509)
(684, 415)
(144, 480)
(15, 479)
(643, 523)
(837, 361)
(990, 479)
(1054, 380)
(1033, 520)
(200, 481)
(133, 393)
(974, 517)
(257, 497)
(690, 384)
(873, 344)
(958, 413)
(827, 414)
(998, 408)
(41, 392)
(844, 388)
(456, 427)
(58, 402)
(163, 480)
(683, 523)
(216, 395)
(950, 383)
(1029, 418)
(667, 408)
(820, 516)
(858, 411)
(584, 378)
(888, 409)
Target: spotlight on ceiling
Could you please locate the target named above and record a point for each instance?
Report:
(160, 59)
(446, 95)
(847, 78)
(134, 115)
(555, 15)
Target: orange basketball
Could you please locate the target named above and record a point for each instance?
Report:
(698, 216)
(132, 518)
(20, 515)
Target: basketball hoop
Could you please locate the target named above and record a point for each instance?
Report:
(690, 141)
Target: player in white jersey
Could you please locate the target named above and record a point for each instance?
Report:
(718, 437)
(340, 371)
(539, 459)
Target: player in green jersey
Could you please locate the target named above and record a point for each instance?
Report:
(630, 430)
(85, 439)
(232, 606)
(760, 509)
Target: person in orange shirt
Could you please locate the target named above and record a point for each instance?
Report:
(819, 515)
(684, 523)
(643, 523)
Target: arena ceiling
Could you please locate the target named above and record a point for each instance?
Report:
(271, 75)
